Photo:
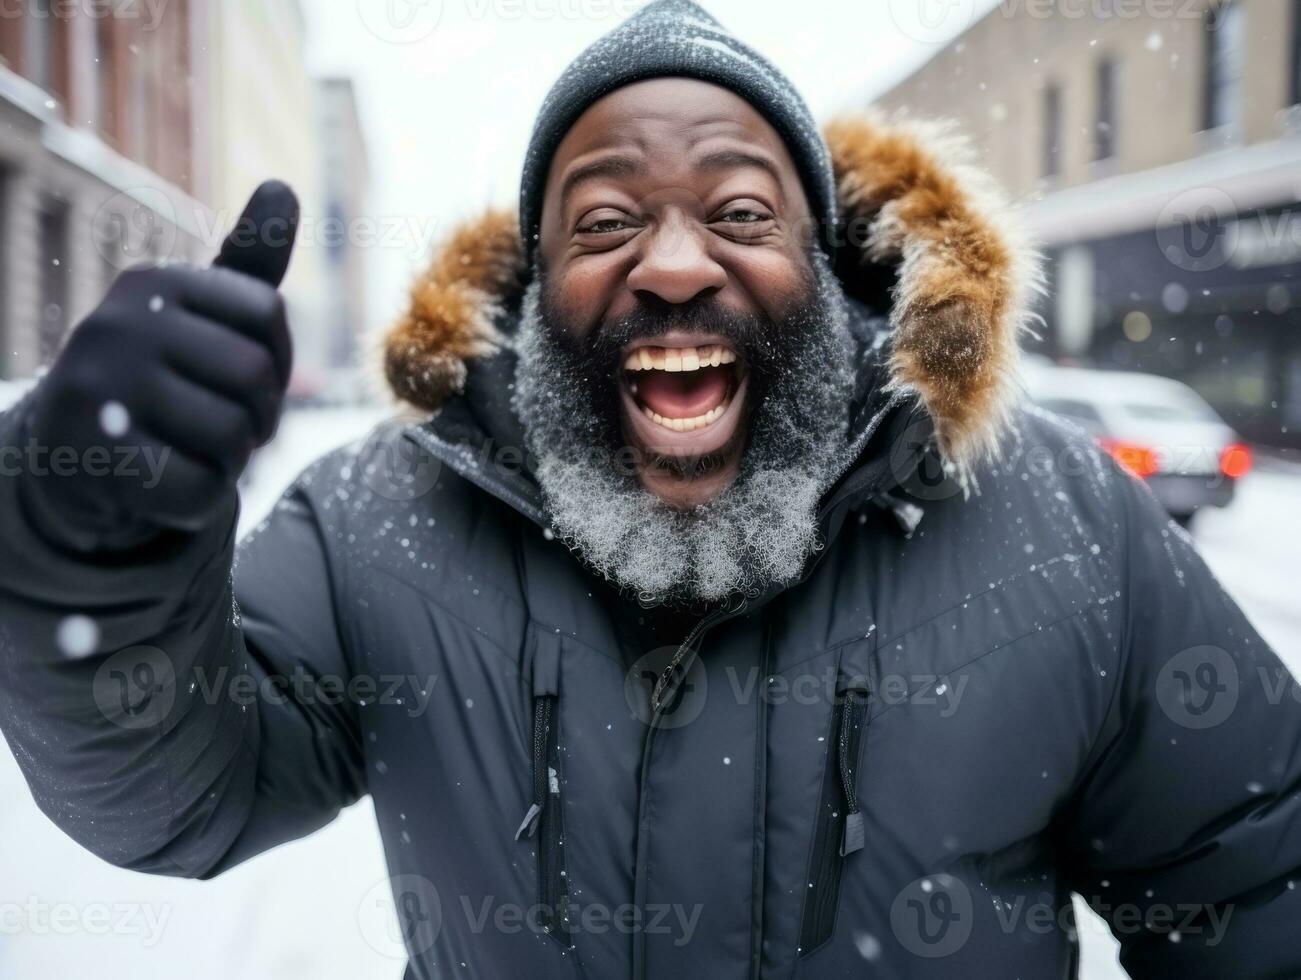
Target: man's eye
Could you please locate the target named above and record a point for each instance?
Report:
(743, 216)
(604, 226)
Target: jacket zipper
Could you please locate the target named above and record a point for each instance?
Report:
(543, 820)
(840, 824)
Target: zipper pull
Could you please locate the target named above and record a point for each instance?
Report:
(530, 825)
(541, 725)
(852, 838)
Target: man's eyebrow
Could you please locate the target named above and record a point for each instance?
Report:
(732, 159)
(607, 166)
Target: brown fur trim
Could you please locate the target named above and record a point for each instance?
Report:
(963, 278)
(453, 306)
(911, 198)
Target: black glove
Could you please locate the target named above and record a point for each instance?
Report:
(181, 369)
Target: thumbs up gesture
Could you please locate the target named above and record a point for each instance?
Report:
(174, 379)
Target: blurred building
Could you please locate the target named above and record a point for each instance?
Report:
(1157, 149)
(260, 102)
(96, 150)
(346, 182)
(125, 138)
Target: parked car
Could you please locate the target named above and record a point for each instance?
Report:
(1158, 428)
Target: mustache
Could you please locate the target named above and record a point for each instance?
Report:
(707, 315)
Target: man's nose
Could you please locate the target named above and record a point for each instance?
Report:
(674, 263)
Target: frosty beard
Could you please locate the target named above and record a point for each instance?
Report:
(760, 529)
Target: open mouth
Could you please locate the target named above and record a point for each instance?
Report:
(682, 388)
(683, 393)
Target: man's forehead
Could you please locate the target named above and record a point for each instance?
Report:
(686, 111)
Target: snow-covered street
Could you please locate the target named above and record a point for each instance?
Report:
(320, 908)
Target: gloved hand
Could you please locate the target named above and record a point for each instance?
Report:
(183, 369)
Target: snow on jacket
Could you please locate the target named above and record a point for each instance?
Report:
(968, 706)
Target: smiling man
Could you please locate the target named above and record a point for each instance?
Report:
(679, 314)
(724, 614)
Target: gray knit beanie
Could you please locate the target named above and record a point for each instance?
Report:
(677, 37)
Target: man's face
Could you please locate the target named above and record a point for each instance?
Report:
(672, 209)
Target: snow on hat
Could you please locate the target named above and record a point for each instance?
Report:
(677, 37)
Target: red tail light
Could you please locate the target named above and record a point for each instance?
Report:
(1235, 461)
(1138, 459)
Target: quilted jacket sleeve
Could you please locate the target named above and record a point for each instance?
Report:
(1186, 833)
(149, 712)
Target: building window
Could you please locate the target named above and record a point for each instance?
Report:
(1225, 57)
(38, 45)
(53, 319)
(1052, 130)
(6, 355)
(1296, 53)
(1104, 123)
(106, 80)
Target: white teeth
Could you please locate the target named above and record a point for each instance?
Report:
(678, 358)
(688, 425)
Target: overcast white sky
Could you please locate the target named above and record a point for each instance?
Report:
(449, 88)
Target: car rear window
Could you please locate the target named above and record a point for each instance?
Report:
(1188, 409)
(1072, 409)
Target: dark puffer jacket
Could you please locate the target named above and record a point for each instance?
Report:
(970, 704)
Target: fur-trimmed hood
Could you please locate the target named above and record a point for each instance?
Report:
(915, 213)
